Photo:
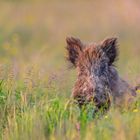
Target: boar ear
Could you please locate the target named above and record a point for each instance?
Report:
(74, 48)
(110, 48)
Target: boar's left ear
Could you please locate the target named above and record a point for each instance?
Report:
(110, 47)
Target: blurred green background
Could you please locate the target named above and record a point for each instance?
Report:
(35, 31)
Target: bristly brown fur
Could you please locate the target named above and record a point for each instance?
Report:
(97, 78)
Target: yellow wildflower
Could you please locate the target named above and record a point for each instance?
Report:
(106, 116)
(138, 91)
(135, 110)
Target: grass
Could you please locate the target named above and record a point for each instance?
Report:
(35, 79)
(37, 113)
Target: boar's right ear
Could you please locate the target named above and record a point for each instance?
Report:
(74, 48)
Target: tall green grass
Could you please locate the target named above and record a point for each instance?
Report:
(32, 114)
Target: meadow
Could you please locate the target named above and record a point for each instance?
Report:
(36, 80)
